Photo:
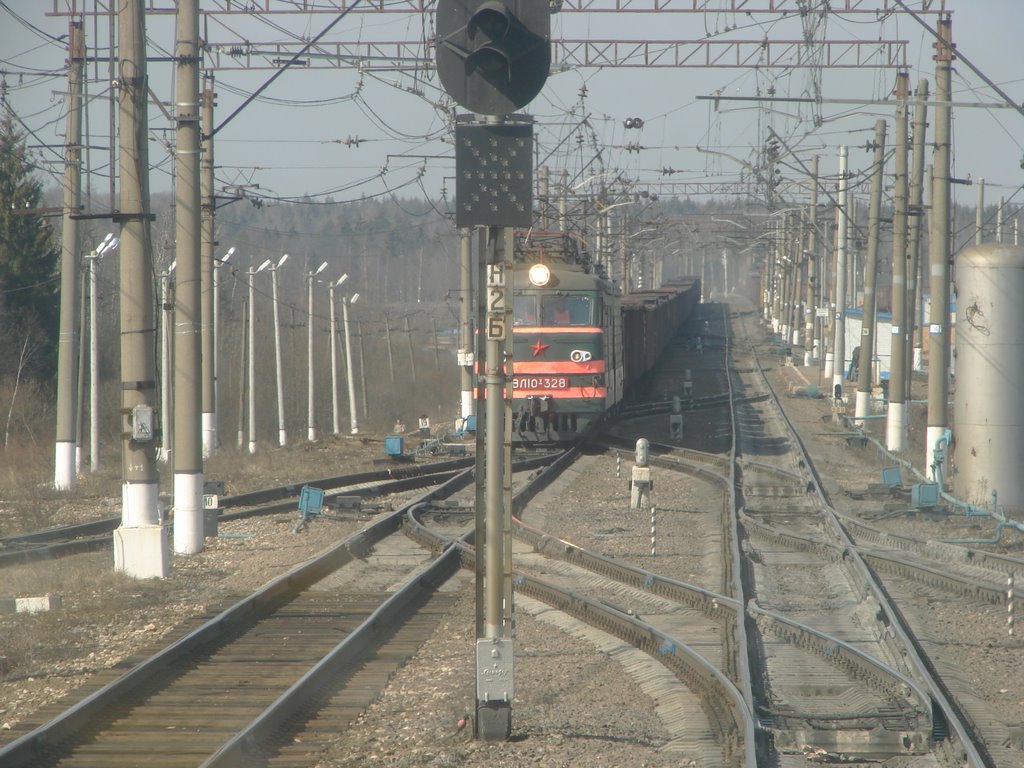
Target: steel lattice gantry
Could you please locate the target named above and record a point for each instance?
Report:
(571, 54)
(291, 7)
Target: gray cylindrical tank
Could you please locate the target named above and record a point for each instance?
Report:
(988, 409)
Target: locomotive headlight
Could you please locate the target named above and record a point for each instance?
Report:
(540, 275)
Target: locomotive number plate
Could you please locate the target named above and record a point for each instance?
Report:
(540, 382)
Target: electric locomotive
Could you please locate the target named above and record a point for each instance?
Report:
(567, 364)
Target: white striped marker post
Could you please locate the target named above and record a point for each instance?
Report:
(1009, 604)
(652, 531)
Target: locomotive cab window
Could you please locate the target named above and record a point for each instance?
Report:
(568, 310)
(525, 309)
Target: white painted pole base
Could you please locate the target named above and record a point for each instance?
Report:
(282, 437)
(64, 477)
(784, 333)
(895, 427)
(252, 446)
(209, 427)
(933, 436)
(466, 409)
(142, 552)
(796, 337)
(829, 365)
(188, 512)
(354, 431)
(775, 325)
(139, 504)
(808, 358)
(862, 407)
(78, 459)
(918, 358)
(311, 434)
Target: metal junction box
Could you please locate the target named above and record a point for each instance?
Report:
(494, 670)
(924, 495)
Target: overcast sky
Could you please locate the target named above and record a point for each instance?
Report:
(291, 142)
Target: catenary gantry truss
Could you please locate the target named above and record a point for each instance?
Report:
(773, 7)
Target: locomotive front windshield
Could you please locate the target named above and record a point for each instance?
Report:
(554, 310)
(567, 310)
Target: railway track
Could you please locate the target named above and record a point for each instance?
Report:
(87, 537)
(770, 641)
(274, 675)
(789, 533)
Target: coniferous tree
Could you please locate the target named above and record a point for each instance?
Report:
(29, 310)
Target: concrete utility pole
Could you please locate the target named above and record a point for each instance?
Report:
(188, 361)
(208, 207)
(812, 334)
(65, 468)
(499, 278)
(310, 388)
(141, 546)
(352, 416)
(939, 257)
(282, 433)
(362, 371)
(109, 243)
(335, 422)
(896, 415)
(839, 327)
(465, 353)
(915, 214)
(867, 330)
(979, 212)
(544, 185)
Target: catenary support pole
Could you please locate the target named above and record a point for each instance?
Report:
(465, 353)
(65, 473)
(896, 414)
(812, 336)
(188, 362)
(207, 246)
(865, 366)
(939, 256)
(839, 324)
(916, 218)
(141, 546)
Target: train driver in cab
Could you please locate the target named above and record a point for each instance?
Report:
(559, 313)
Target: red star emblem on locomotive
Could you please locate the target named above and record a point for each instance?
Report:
(539, 348)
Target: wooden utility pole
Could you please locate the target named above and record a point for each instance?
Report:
(865, 366)
(896, 415)
(939, 258)
(65, 471)
(141, 545)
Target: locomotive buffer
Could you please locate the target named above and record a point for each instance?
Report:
(493, 57)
